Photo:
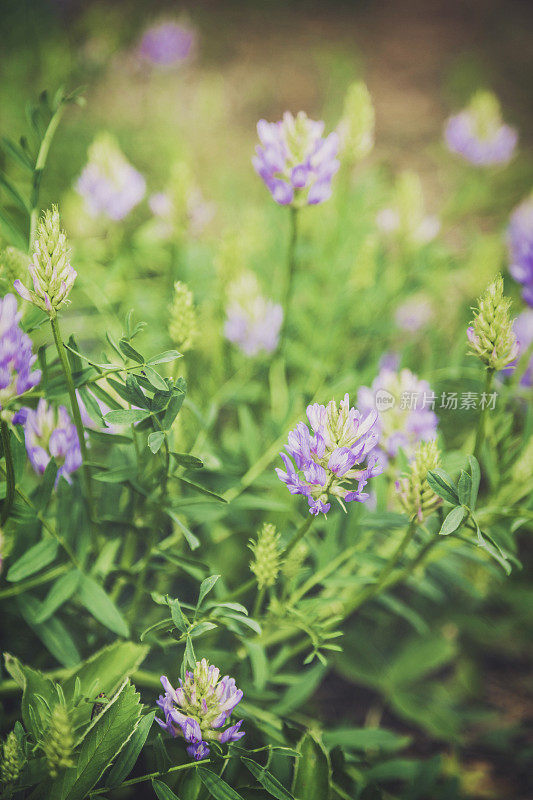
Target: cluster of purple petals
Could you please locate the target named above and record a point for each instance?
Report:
(254, 327)
(199, 707)
(111, 195)
(295, 160)
(167, 44)
(523, 329)
(16, 358)
(462, 138)
(331, 455)
(520, 243)
(50, 433)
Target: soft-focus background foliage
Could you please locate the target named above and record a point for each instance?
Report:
(448, 666)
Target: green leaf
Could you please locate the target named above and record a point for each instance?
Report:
(178, 617)
(366, 739)
(61, 591)
(267, 780)
(163, 358)
(174, 407)
(17, 153)
(453, 520)
(155, 440)
(464, 488)
(218, 788)
(312, 770)
(442, 484)
(126, 417)
(33, 560)
(188, 461)
(34, 685)
(192, 540)
(13, 193)
(42, 496)
(419, 657)
(104, 741)
(162, 791)
(475, 474)
(129, 755)
(155, 379)
(195, 487)
(52, 633)
(130, 352)
(205, 587)
(100, 605)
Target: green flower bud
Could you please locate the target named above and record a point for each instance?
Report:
(266, 556)
(13, 264)
(51, 271)
(183, 326)
(356, 128)
(293, 563)
(416, 496)
(491, 334)
(59, 741)
(12, 759)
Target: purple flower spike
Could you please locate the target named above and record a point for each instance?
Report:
(295, 161)
(167, 44)
(253, 322)
(16, 358)
(48, 433)
(520, 243)
(199, 708)
(478, 134)
(332, 457)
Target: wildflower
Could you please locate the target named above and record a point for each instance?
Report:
(520, 243)
(295, 161)
(12, 759)
(50, 269)
(491, 334)
(332, 457)
(478, 133)
(109, 184)
(59, 741)
(253, 322)
(50, 433)
(183, 325)
(416, 496)
(199, 708)
(406, 218)
(356, 128)
(167, 44)
(523, 330)
(414, 314)
(13, 264)
(16, 359)
(266, 556)
(405, 405)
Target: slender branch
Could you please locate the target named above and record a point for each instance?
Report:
(300, 533)
(149, 777)
(482, 422)
(291, 268)
(40, 164)
(7, 505)
(24, 586)
(78, 423)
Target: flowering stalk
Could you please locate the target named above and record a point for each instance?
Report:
(482, 422)
(291, 265)
(298, 536)
(10, 473)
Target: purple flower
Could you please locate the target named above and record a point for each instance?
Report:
(295, 161)
(167, 44)
(520, 243)
(331, 456)
(48, 433)
(253, 322)
(478, 134)
(404, 403)
(109, 184)
(414, 314)
(523, 329)
(16, 358)
(199, 708)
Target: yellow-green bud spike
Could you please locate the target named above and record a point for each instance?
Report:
(13, 265)
(356, 128)
(59, 741)
(265, 565)
(183, 325)
(415, 494)
(491, 334)
(12, 759)
(50, 269)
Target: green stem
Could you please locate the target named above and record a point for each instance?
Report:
(300, 533)
(7, 505)
(149, 777)
(40, 164)
(291, 267)
(78, 423)
(46, 577)
(259, 602)
(482, 422)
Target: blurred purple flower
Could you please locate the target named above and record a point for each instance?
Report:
(414, 314)
(404, 403)
(523, 329)
(332, 457)
(167, 44)
(109, 184)
(50, 433)
(520, 243)
(16, 358)
(199, 707)
(253, 322)
(478, 134)
(295, 161)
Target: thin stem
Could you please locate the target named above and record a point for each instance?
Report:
(482, 422)
(300, 533)
(291, 267)
(259, 601)
(46, 577)
(40, 164)
(7, 505)
(77, 421)
(149, 777)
